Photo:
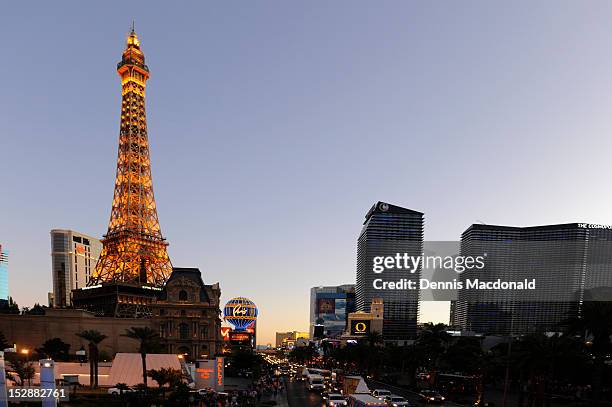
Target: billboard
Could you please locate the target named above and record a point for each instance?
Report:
(326, 306)
(360, 327)
(240, 338)
(210, 374)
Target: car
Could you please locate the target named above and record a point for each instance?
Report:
(115, 391)
(394, 400)
(431, 396)
(316, 383)
(381, 393)
(335, 399)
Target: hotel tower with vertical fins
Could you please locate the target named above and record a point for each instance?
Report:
(387, 230)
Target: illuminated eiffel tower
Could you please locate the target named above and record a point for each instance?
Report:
(134, 252)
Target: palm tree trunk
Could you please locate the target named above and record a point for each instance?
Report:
(91, 366)
(96, 360)
(144, 368)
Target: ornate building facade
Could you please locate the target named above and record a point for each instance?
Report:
(187, 315)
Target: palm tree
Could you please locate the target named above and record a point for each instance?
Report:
(23, 369)
(93, 338)
(594, 325)
(375, 338)
(148, 342)
(163, 376)
(431, 342)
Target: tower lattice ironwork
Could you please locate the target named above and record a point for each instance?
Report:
(134, 250)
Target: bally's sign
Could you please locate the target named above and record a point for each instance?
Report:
(360, 327)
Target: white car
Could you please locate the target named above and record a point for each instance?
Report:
(335, 399)
(115, 391)
(381, 393)
(394, 400)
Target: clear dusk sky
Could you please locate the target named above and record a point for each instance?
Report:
(275, 125)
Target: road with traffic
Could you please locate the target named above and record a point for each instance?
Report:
(298, 394)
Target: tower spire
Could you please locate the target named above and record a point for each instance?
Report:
(134, 249)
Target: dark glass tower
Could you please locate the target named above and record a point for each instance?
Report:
(388, 230)
(571, 263)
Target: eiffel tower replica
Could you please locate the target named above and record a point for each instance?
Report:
(134, 263)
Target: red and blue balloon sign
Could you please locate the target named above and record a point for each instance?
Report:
(240, 312)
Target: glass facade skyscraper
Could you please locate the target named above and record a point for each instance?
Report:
(388, 230)
(570, 263)
(73, 259)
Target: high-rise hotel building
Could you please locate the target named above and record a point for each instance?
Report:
(388, 230)
(4, 290)
(570, 263)
(329, 308)
(73, 259)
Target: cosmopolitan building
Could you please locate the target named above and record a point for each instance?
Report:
(388, 230)
(570, 263)
(4, 291)
(329, 308)
(73, 259)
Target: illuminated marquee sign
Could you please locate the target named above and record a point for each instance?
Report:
(240, 337)
(225, 333)
(360, 327)
(220, 367)
(210, 373)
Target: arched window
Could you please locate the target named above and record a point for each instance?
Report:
(183, 331)
(182, 295)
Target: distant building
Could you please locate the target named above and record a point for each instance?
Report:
(329, 308)
(4, 288)
(287, 340)
(73, 259)
(388, 230)
(570, 262)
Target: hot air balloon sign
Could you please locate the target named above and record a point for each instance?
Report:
(240, 312)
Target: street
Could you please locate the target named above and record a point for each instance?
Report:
(299, 396)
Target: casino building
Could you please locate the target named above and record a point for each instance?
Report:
(361, 324)
(133, 283)
(387, 230)
(329, 309)
(187, 315)
(571, 263)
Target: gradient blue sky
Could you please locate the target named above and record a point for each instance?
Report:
(274, 126)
